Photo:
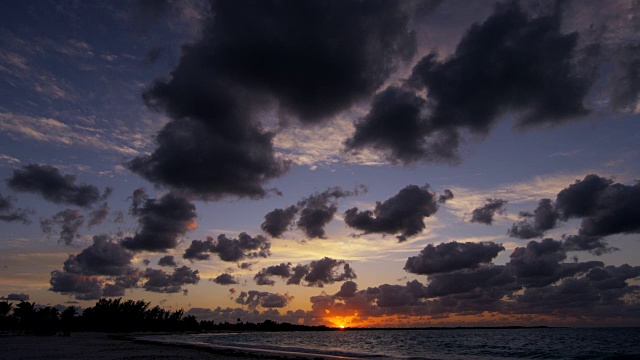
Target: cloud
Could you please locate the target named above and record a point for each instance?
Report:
(199, 249)
(8, 212)
(324, 271)
(253, 299)
(54, 131)
(535, 281)
(192, 154)
(113, 290)
(162, 282)
(605, 208)
(316, 273)
(509, 63)
(161, 222)
(230, 315)
(48, 182)
(593, 244)
(103, 257)
(396, 126)
(244, 247)
(545, 217)
(97, 216)
(448, 195)
(276, 222)
(447, 257)
(347, 290)
(16, 297)
(539, 263)
(403, 213)
(316, 211)
(83, 287)
(10, 160)
(263, 277)
(485, 213)
(626, 79)
(342, 53)
(225, 279)
(167, 260)
(70, 221)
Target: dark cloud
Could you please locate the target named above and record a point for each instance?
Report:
(97, 216)
(325, 271)
(263, 277)
(241, 248)
(253, 299)
(626, 78)
(225, 279)
(199, 249)
(510, 63)
(16, 297)
(316, 273)
(545, 217)
(192, 154)
(48, 182)
(396, 125)
(246, 265)
(8, 212)
(69, 221)
(103, 257)
(341, 53)
(162, 282)
(467, 282)
(540, 263)
(447, 257)
(580, 199)
(485, 213)
(113, 290)
(83, 287)
(227, 249)
(298, 273)
(617, 210)
(448, 195)
(161, 222)
(347, 290)
(230, 315)
(167, 260)
(593, 244)
(278, 221)
(106, 193)
(606, 208)
(316, 211)
(536, 280)
(403, 213)
(320, 58)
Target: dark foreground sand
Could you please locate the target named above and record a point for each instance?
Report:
(99, 346)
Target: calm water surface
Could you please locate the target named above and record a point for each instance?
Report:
(598, 343)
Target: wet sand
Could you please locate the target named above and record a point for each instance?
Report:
(101, 346)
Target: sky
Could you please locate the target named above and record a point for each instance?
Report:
(345, 163)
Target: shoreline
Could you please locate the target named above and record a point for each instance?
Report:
(106, 346)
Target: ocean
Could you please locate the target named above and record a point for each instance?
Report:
(538, 343)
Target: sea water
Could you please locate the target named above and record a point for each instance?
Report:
(539, 343)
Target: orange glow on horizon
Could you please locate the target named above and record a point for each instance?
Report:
(403, 321)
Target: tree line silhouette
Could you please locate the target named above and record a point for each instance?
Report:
(115, 315)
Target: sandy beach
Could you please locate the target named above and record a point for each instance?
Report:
(101, 346)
